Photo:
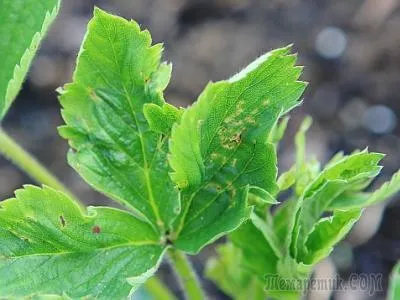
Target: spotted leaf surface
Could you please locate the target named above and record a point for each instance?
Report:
(283, 246)
(113, 147)
(221, 146)
(50, 246)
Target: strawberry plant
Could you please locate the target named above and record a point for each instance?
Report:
(184, 177)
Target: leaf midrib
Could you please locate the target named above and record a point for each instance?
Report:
(130, 244)
(182, 223)
(222, 191)
(128, 98)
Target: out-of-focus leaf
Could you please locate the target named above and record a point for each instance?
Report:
(227, 271)
(305, 170)
(287, 179)
(259, 259)
(359, 200)
(278, 131)
(394, 287)
(300, 141)
(327, 233)
(351, 173)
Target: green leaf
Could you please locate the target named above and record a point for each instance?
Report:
(300, 141)
(394, 287)
(207, 223)
(114, 149)
(337, 157)
(221, 145)
(227, 271)
(283, 220)
(269, 235)
(50, 246)
(305, 170)
(262, 196)
(278, 131)
(327, 233)
(360, 200)
(23, 24)
(233, 113)
(259, 259)
(42, 297)
(287, 179)
(162, 118)
(351, 173)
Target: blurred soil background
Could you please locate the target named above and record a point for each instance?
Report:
(352, 58)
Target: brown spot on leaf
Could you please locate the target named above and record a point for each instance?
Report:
(62, 221)
(93, 95)
(237, 138)
(96, 229)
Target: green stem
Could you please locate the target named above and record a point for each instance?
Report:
(26, 162)
(157, 289)
(187, 276)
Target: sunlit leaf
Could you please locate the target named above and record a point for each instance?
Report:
(118, 72)
(221, 145)
(50, 246)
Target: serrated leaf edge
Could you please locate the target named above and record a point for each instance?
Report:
(21, 69)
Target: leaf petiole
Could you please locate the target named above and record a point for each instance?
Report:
(187, 277)
(157, 289)
(30, 165)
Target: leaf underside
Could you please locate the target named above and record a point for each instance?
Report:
(23, 25)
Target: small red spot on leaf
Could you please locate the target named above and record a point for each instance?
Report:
(96, 229)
